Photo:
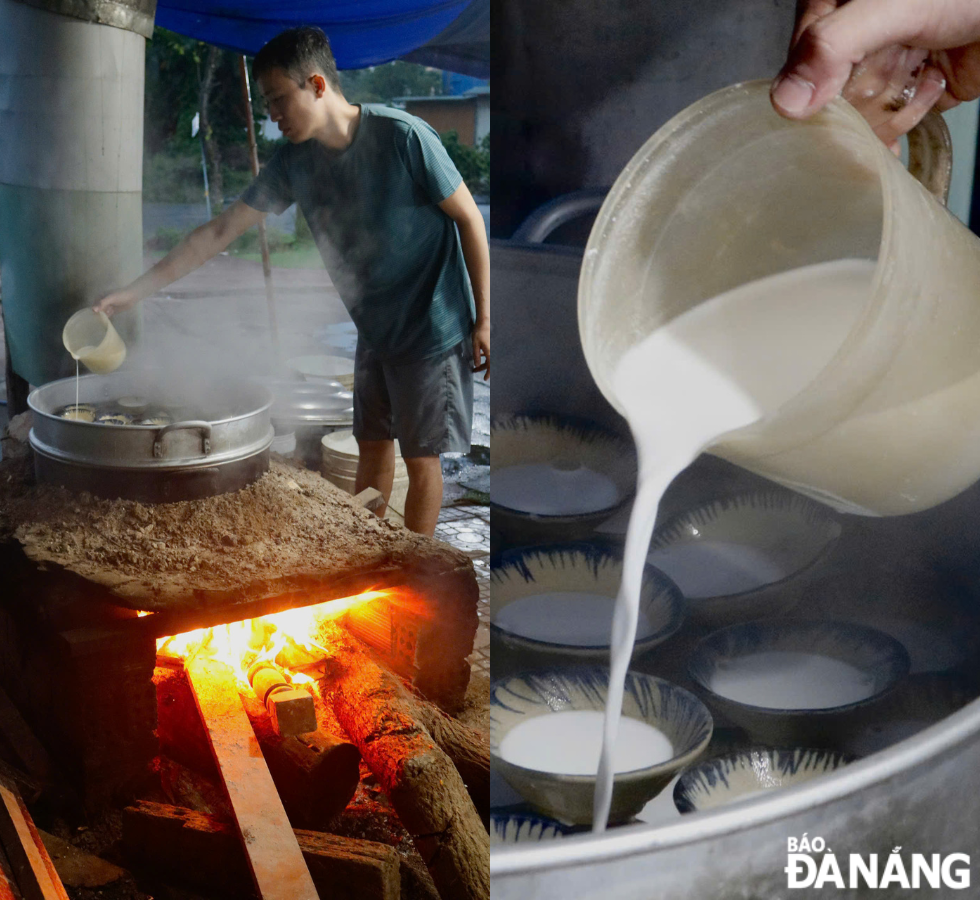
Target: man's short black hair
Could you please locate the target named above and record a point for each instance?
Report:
(299, 52)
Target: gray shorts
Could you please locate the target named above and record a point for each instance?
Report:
(426, 405)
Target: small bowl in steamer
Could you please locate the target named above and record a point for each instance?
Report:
(788, 534)
(567, 570)
(879, 658)
(675, 712)
(575, 450)
(748, 773)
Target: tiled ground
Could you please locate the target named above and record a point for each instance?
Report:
(468, 529)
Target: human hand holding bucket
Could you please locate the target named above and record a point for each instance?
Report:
(90, 338)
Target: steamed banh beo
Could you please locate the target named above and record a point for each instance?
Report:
(78, 412)
(114, 419)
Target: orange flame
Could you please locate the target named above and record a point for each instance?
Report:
(240, 644)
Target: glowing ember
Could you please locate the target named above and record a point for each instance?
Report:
(241, 644)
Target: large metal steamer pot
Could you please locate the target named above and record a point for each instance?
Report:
(223, 447)
(919, 795)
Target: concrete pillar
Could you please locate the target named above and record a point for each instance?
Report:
(71, 169)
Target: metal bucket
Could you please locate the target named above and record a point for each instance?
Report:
(224, 446)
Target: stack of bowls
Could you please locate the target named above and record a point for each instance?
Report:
(324, 368)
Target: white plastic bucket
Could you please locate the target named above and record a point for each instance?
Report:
(90, 338)
(339, 455)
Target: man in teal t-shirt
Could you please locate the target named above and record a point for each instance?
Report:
(405, 246)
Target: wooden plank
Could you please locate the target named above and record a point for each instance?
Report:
(8, 887)
(33, 868)
(274, 856)
(207, 854)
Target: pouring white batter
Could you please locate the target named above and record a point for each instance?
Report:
(722, 365)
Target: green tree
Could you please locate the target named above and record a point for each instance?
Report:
(473, 163)
(381, 84)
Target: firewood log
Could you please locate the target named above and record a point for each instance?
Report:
(316, 774)
(183, 786)
(469, 750)
(374, 819)
(419, 778)
(205, 852)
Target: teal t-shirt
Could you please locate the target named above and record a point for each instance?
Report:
(393, 255)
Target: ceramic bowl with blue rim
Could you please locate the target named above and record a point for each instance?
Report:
(521, 701)
(553, 604)
(554, 479)
(750, 773)
(750, 556)
(797, 683)
(523, 828)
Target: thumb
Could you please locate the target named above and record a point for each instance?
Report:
(820, 62)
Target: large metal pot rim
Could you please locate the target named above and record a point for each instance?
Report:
(182, 445)
(939, 739)
(43, 390)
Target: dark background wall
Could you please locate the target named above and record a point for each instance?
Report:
(579, 85)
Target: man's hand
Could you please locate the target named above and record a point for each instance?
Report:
(892, 59)
(117, 301)
(481, 349)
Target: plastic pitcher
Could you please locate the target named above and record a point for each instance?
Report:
(727, 192)
(90, 338)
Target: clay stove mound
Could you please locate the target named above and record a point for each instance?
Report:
(289, 531)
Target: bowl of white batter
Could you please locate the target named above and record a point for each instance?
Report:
(552, 605)
(793, 683)
(749, 773)
(555, 479)
(749, 556)
(546, 736)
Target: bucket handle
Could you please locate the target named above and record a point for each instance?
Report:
(192, 425)
(931, 155)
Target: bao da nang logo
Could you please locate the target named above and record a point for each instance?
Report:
(811, 864)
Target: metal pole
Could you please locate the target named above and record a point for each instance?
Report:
(204, 168)
(263, 239)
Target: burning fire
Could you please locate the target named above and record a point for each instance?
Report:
(241, 645)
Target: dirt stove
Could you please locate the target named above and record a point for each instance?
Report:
(90, 586)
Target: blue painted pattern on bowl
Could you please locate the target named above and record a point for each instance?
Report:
(739, 775)
(675, 712)
(577, 567)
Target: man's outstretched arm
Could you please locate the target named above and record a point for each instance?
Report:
(196, 249)
(462, 209)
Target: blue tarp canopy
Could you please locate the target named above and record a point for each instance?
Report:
(362, 32)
